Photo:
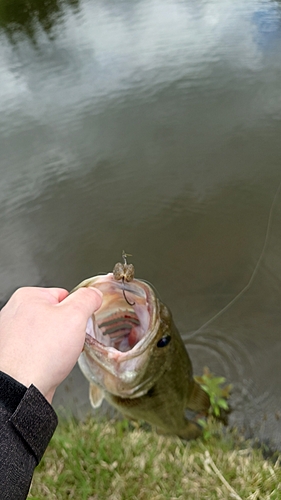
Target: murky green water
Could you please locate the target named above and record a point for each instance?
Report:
(155, 127)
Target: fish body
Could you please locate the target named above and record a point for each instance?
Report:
(135, 358)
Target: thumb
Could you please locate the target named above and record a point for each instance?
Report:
(86, 300)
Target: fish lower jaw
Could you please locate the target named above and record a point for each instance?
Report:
(106, 356)
(119, 379)
(128, 376)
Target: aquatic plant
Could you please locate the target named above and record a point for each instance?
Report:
(218, 393)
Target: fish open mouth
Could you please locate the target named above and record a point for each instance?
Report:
(126, 317)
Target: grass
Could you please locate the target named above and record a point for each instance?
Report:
(112, 460)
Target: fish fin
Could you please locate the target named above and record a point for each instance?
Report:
(199, 400)
(96, 395)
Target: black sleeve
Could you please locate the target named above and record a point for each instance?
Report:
(27, 423)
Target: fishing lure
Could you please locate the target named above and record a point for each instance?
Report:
(124, 272)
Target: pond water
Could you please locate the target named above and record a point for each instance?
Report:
(153, 127)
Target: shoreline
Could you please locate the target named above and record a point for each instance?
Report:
(118, 460)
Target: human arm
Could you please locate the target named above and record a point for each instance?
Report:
(27, 423)
(42, 332)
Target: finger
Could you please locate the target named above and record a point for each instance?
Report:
(87, 300)
(53, 295)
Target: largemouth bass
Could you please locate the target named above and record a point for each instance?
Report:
(135, 358)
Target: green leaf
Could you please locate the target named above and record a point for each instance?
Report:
(223, 404)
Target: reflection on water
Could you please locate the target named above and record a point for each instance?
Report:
(22, 17)
(155, 127)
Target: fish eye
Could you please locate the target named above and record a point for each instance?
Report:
(164, 341)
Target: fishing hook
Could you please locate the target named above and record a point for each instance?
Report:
(128, 302)
(125, 255)
(124, 272)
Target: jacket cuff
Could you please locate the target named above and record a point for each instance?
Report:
(35, 420)
(11, 392)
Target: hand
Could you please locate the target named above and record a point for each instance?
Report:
(42, 333)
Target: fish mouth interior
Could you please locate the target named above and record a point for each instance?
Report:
(125, 315)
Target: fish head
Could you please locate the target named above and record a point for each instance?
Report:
(128, 339)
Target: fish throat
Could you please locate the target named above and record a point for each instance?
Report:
(125, 319)
(123, 329)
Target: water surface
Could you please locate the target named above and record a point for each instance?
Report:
(155, 127)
